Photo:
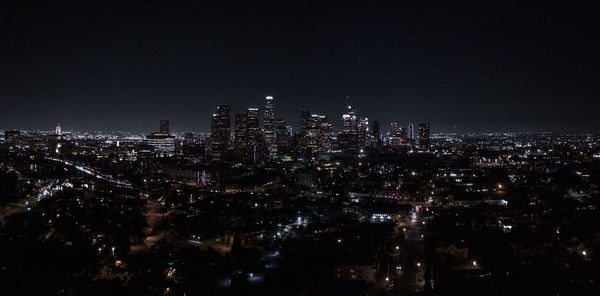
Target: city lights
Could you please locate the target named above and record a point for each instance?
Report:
(295, 148)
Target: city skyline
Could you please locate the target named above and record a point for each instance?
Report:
(424, 148)
(297, 122)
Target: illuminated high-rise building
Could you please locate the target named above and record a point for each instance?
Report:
(350, 120)
(253, 127)
(220, 132)
(375, 134)
(395, 129)
(241, 132)
(282, 135)
(214, 122)
(162, 143)
(164, 126)
(424, 135)
(304, 121)
(318, 134)
(363, 132)
(224, 122)
(348, 136)
(247, 133)
(411, 132)
(397, 135)
(269, 125)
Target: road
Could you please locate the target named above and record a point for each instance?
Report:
(92, 171)
(408, 259)
(28, 203)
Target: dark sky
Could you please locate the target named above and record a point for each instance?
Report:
(508, 66)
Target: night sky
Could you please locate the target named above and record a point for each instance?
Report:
(509, 66)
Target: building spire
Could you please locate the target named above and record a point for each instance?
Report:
(58, 130)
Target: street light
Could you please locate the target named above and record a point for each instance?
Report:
(474, 263)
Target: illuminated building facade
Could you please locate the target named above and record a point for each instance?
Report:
(162, 142)
(282, 135)
(424, 140)
(269, 125)
(220, 132)
(241, 132)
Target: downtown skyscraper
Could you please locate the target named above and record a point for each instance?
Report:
(282, 134)
(411, 132)
(318, 133)
(247, 133)
(220, 132)
(269, 131)
(354, 133)
(304, 121)
(348, 136)
(253, 126)
(424, 135)
(241, 132)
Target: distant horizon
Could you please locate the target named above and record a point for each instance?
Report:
(433, 131)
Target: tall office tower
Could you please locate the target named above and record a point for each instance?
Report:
(162, 142)
(282, 134)
(348, 136)
(375, 138)
(253, 128)
(214, 145)
(318, 134)
(220, 132)
(241, 132)
(395, 129)
(402, 133)
(304, 121)
(224, 112)
(269, 125)
(325, 136)
(411, 132)
(164, 126)
(395, 139)
(301, 140)
(214, 121)
(363, 132)
(424, 135)
(350, 120)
